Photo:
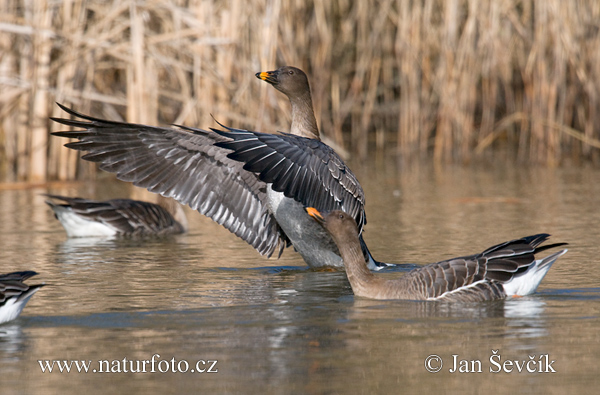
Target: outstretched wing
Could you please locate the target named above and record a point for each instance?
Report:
(303, 169)
(184, 165)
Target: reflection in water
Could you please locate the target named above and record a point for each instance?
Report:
(277, 327)
(525, 319)
(417, 310)
(11, 339)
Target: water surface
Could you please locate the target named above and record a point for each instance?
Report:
(276, 327)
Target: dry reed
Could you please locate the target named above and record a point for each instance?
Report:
(449, 80)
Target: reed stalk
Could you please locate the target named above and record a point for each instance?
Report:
(447, 81)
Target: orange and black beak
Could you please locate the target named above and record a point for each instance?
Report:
(313, 212)
(269, 76)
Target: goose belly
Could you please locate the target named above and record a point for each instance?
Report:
(309, 238)
(78, 226)
(12, 308)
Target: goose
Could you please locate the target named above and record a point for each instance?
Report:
(14, 294)
(293, 82)
(254, 184)
(117, 217)
(506, 269)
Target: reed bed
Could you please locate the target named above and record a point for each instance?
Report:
(449, 81)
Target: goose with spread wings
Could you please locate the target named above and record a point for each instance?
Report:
(254, 184)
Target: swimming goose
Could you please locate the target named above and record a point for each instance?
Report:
(254, 184)
(14, 294)
(117, 217)
(507, 269)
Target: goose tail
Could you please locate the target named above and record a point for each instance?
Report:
(527, 282)
(372, 264)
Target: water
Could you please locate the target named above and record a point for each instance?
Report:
(275, 327)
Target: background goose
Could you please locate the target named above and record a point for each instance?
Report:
(507, 269)
(254, 184)
(118, 217)
(14, 294)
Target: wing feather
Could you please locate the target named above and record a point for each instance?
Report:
(303, 169)
(183, 164)
(476, 277)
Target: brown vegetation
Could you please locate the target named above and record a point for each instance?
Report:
(442, 79)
